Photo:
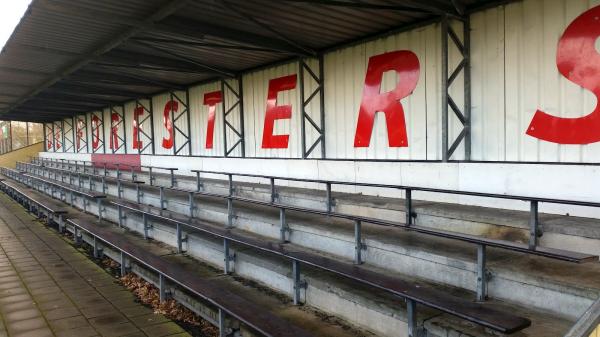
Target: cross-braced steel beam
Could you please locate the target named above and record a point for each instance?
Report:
(463, 114)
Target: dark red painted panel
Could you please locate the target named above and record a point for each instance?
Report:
(98, 160)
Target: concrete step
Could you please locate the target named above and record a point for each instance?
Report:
(310, 319)
(563, 288)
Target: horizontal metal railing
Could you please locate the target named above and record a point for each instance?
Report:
(588, 322)
(534, 223)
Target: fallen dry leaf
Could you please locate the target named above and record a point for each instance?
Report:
(149, 295)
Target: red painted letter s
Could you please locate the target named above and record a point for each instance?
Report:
(167, 143)
(406, 64)
(275, 112)
(578, 61)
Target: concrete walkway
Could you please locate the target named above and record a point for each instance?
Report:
(48, 288)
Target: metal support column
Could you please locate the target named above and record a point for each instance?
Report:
(124, 264)
(227, 256)
(328, 196)
(228, 109)
(409, 209)
(98, 254)
(284, 229)
(162, 288)
(411, 316)
(145, 223)
(162, 197)
(534, 225)
(317, 126)
(358, 245)
(222, 327)
(180, 239)
(299, 284)
(481, 273)
(463, 115)
(191, 204)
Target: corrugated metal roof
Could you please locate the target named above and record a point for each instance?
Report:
(74, 48)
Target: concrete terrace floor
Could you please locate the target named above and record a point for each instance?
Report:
(48, 288)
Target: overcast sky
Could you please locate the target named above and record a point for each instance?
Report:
(11, 12)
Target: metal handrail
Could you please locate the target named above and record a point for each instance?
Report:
(400, 187)
(414, 188)
(411, 299)
(534, 223)
(587, 323)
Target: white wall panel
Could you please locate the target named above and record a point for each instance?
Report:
(514, 74)
(106, 131)
(82, 148)
(345, 72)
(145, 125)
(58, 137)
(199, 120)
(233, 117)
(313, 108)
(118, 146)
(69, 131)
(88, 119)
(160, 131)
(129, 108)
(256, 86)
(49, 141)
(101, 131)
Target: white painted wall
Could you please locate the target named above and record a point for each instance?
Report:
(82, 142)
(256, 87)
(513, 74)
(69, 144)
(199, 120)
(160, 132)
(102, 125)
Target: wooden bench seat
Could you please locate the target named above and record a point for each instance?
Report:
(247, 312)
(475, 312)
(49, 204)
